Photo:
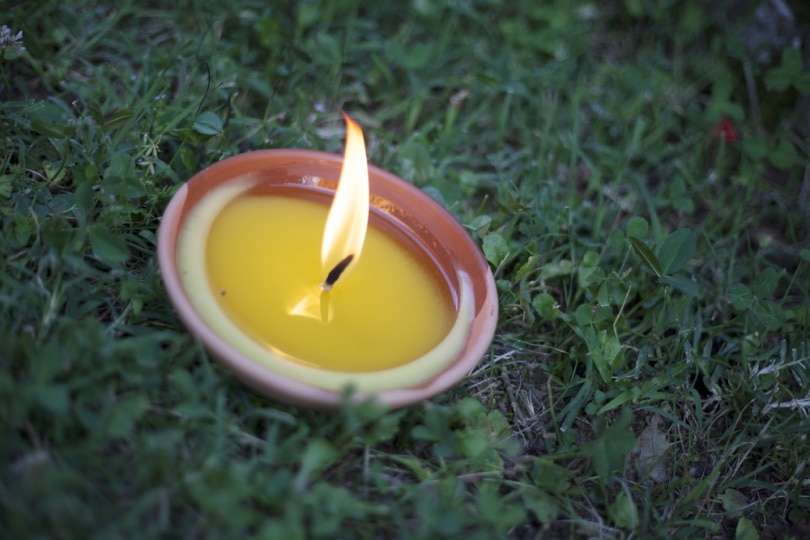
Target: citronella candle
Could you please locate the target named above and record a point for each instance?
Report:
(301, 303)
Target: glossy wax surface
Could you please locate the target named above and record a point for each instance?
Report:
(264, 269)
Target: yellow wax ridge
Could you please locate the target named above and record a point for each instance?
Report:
(191, 248)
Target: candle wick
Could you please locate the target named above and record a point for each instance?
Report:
(335, 273)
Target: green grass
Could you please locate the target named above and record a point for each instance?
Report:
(650, 375)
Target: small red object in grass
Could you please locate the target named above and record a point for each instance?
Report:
(724, 129)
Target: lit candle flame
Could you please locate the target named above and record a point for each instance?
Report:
(346, 226)
(347, 221)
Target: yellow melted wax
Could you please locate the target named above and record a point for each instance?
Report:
(192, 246)
(264, 269)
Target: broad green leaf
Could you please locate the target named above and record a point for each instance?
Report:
(792, 60)
(308, 15)
(623, 512)
(605, 349)
(746, 530)
(5, 186)
(549, 476)
(755, 146)
(635, 8)
(45, 364)
(91, 173)
(733, 501)
(123, 415)
(477, 444)
(588, 335)
(53, 397)
(434, 193)
(480, 224)
(496, 509)
(587, 271)
(541, 504)
(62, 202)
(495, 248)
(590, 258)
(318, 454)
(765, 282)
(185, 385)
(85, 199)
(769, 314)
(637, 226)
(108, 247)
(784, 155)
(23, 228)
(54, 171)
(120, 169)
(589, 275)
(208, 123)
(546, 306)
(722, 87)
(469, 407)
(778, 79)
(583, 315)
(611, 350)
(608, 449)
(503, 284)
(740, 296)
(718, 108)
(616, 238)
(646, 255)
(802, 83)
(603, 313)
(416, 56)
(613, 291)
(782, 76)
(676, 250)
(693, 18)
(685, 285)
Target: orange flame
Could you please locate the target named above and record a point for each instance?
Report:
(346, 226)
(347, 221)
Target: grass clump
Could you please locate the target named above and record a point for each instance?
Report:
(636, 174)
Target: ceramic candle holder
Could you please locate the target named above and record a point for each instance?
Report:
(397, 206)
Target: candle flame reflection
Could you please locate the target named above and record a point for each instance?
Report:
(316, 305)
